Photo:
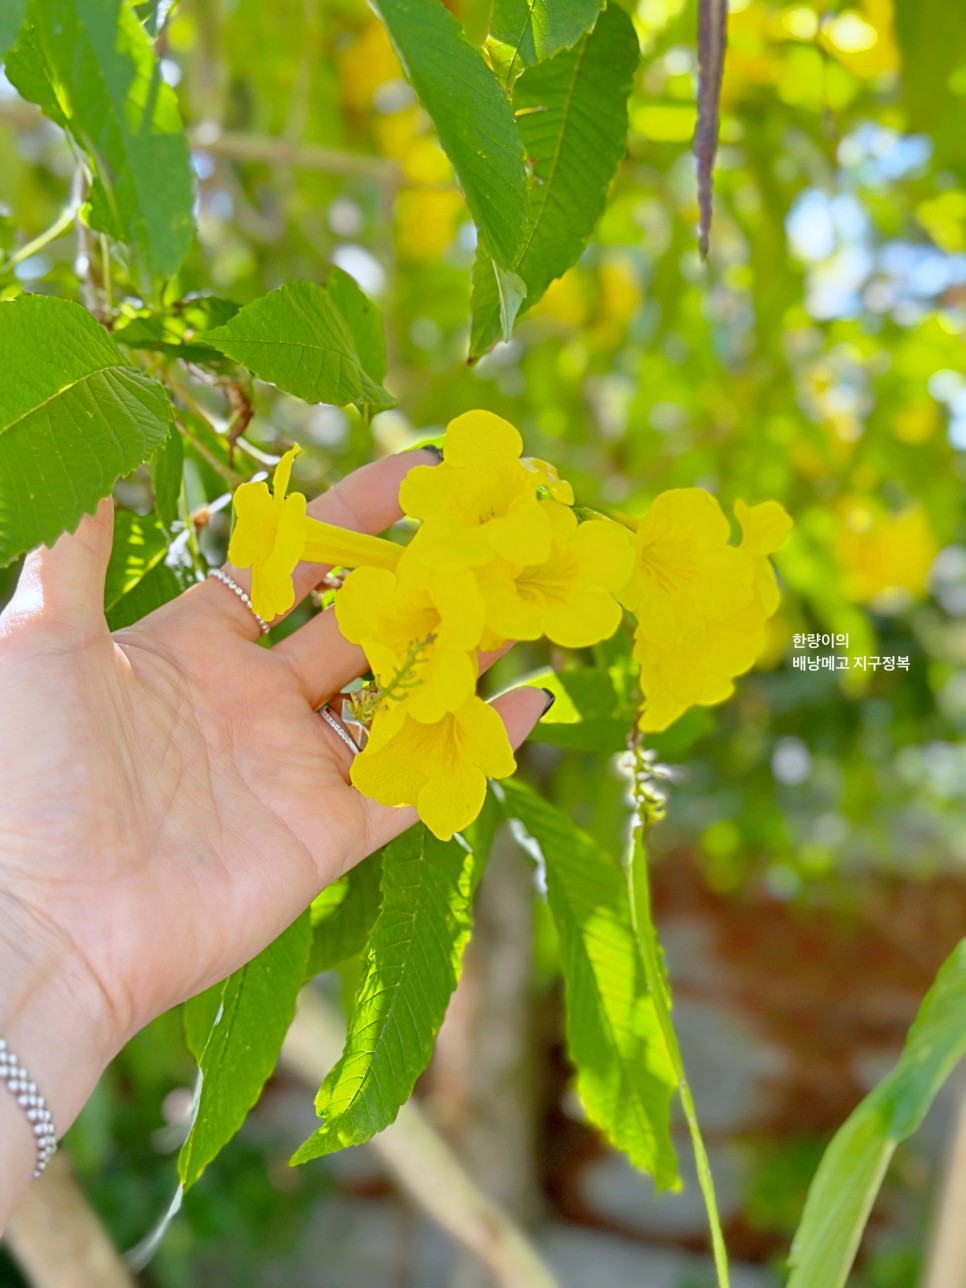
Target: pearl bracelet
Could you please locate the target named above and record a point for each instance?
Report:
(24, 1090)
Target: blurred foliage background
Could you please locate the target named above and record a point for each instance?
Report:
(808, 877)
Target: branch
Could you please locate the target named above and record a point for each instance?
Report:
(280, 151)
(57, 1239)
(421, 1162)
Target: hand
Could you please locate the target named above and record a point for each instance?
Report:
(171, 798)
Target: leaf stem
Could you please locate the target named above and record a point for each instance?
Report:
(61, 224)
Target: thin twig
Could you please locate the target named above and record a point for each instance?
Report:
(57, 1239)
(423, 1165)
(304, 156)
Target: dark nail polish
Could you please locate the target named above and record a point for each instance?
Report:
(434, 450)
(551, 699)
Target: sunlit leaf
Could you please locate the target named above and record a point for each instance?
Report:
(412, 966)
(110, 93)
(524, 32)
(624, 1072)
(844, 1188)
(137, 580)
(76, 418)
(472, 118)
(572, 113)
(344, 914)
(298, 339)
(11, 17)
(249, 1015)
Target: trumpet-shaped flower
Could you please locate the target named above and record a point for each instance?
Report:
(440, 768)
(273, 533)
(569, 596)
(419, 629)
(481, 501)
(701, 603)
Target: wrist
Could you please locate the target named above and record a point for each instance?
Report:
(53, 1014)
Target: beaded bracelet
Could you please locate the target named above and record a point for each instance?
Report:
(25, 1091)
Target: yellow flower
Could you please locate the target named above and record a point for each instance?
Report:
(883, 555)
(273, 533)
(481, 501)
(419, 629)
(569, 597)
(440, 768)
(701, 603)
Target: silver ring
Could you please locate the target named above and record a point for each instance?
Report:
(337, 727)
(243, 595)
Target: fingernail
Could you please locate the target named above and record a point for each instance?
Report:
(551, 699)
(433, 450)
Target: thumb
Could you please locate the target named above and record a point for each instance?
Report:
(64, 583)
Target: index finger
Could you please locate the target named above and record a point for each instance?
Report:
(365, 501)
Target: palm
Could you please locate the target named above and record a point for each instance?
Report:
(171, 798)
(211, 789)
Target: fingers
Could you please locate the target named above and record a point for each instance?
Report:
(64, 583)
(365, 501)
(520, 710)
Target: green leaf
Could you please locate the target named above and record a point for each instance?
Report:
(175, 330)
(137, 580)
(298, 339)
(412, 967)
(167, 467)
(256, 1007)
(343, 915)
(472, 118)
(572, 114)
(624, 1072)
(843, 1190)
(111, 95)
(26, 69)
(524, 32)
(659, 986)
(73, 421)
(11, 20)
(363, 319)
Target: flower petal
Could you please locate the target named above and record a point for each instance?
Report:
(763, 527)
(255, 522)
(446, 805)
(478, 440)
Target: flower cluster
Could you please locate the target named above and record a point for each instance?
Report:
(500, 555)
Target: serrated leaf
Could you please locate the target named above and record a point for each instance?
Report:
(175, 330)
(363, 319)
(472, 118)
(844, 1188)
(136, 577)
(255, 1008)
(524, 32)
(343, 915)
(167, 466)
(26, 69)
(298, 339)
(572, 114)
(11, 19)
(624, 1073)
(114, 101)
(412, 967)
(73, 421)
